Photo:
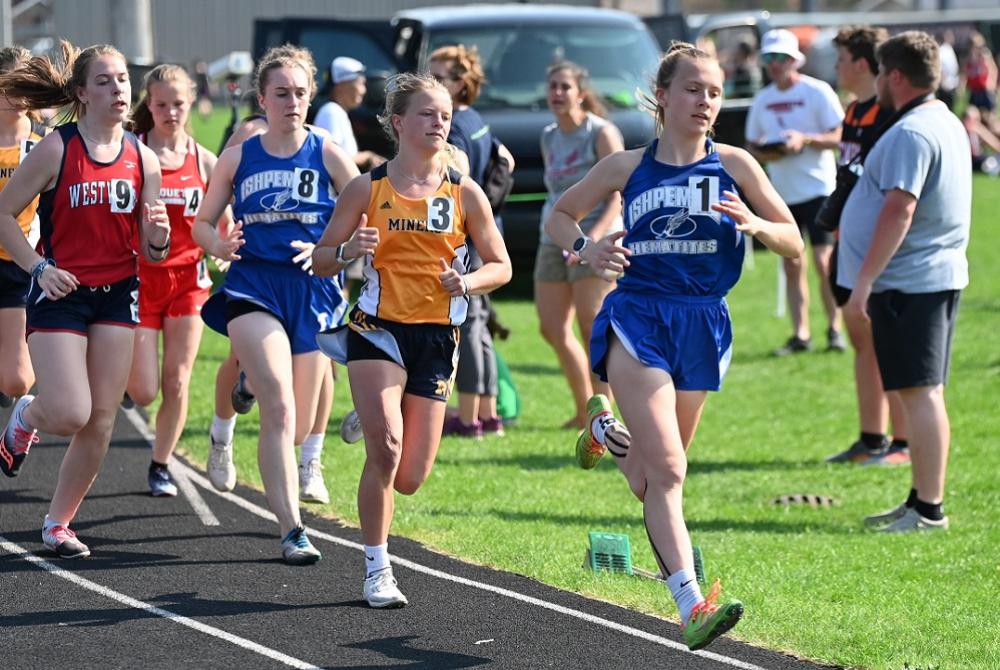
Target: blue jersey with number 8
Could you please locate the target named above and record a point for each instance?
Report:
(281, 199)
(679, 245)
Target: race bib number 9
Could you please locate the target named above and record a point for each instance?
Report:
(441, 215)
(122, 196)
(703, 192)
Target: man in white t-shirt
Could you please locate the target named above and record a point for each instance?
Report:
(347, 76)
(794, 125)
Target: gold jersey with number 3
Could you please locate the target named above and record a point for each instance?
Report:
(402, 278)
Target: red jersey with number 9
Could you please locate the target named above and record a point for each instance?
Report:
(89, 220)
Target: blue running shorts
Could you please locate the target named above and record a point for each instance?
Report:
(304, 304)
(689, 337)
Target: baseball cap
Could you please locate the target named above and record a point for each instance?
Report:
(781, 41)
(345, 68)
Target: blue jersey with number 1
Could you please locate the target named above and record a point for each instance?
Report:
(281, 199)
(679, 245)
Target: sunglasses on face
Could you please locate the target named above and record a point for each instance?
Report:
(775, 58)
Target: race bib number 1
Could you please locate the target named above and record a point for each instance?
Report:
(441, 215)
(703, 192)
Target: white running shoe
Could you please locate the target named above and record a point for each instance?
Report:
(312, 488)
(381, 590)
(221, 471)
(350, 428)
(912, 521)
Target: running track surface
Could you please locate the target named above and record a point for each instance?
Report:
(198, 581)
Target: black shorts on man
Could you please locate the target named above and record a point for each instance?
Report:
(912, 333)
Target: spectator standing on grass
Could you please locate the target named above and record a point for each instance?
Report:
(863, 120)
(564, 287)
(99, 189)
(904, 235)
(410, 219)
(663, 338)
(980, 77)
(794, 125)
(460, 71)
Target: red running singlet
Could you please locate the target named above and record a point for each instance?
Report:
(182, 190)
(90, 219)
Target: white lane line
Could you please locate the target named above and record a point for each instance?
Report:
(199, 479)
(243, 643)
(194, 498)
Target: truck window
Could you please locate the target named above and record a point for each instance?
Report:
(327, 43)
(515, 58)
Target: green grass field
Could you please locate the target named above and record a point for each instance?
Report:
(814, 582)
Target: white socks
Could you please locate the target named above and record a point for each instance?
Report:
(223, 429)
(312, 447)
(376, 558)
(686, 592)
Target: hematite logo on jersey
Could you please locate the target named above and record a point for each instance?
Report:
(279, 201)
(678, 224)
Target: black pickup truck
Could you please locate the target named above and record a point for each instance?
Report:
(516, 43)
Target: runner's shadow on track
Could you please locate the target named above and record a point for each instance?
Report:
(185, 604)
(400, 649)
(519, 461)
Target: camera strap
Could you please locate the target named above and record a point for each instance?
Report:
(892, 120)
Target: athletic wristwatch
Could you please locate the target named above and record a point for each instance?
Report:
(580, 244)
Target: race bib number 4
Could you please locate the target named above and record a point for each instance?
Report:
(192, 199)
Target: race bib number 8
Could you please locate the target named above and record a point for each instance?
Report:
(122, 196)
(306, 184)
(441, 215)
(703, 192)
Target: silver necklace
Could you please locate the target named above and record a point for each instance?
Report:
(415, 180)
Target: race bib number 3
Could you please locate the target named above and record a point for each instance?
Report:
(703, 192)
(122, 196)
(441, 215)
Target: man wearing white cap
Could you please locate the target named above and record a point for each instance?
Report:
(793, 125)
(347, 76)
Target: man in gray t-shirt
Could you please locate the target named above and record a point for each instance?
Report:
(904, 232)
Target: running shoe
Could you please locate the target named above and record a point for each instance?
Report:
(709, 620)
(894, 455)
(312, 488)
(5, 400)
(63, 542)
(221, 471)
(382, 592)
(127, 402)
(243, 400)
(297, 549)
(588, 450)
(859, 453)
(15, 442)
(888, 516)
(350, 428)
(161, 484)
(835, 340)
(913, 521)
(493, 426)
(453, 426)
(794, 345)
